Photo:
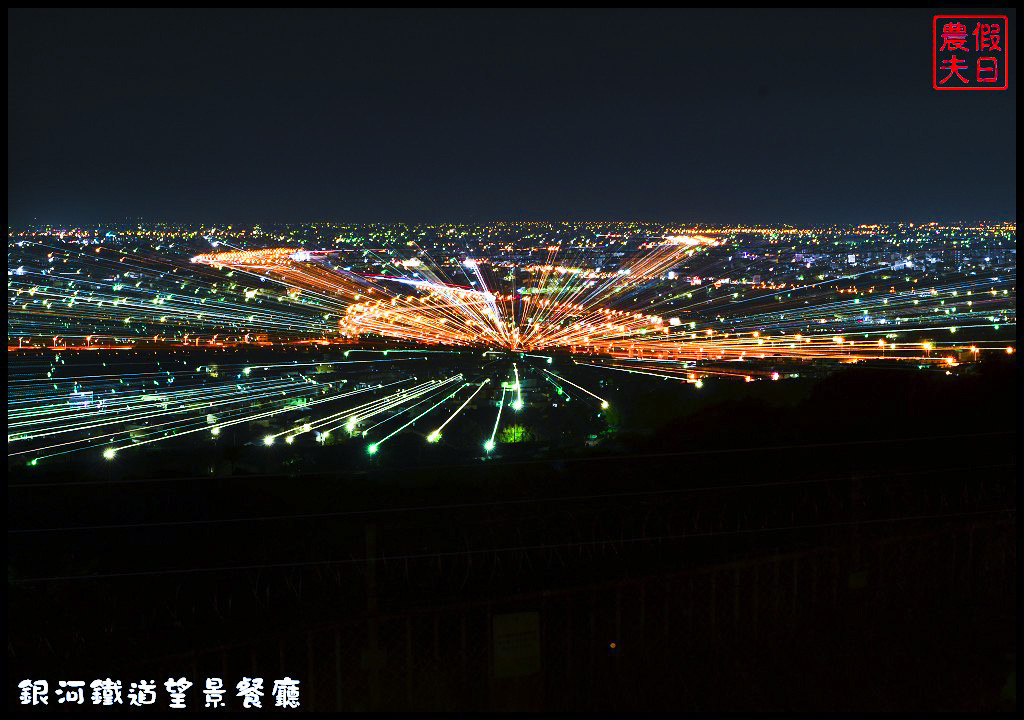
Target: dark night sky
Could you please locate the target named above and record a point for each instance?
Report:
(716, 116)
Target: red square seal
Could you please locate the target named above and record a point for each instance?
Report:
(970, 52)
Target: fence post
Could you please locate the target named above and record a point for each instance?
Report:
(373, 648)
(643, 609)
(309, 662)
(280, 656)
(195, 666)
(618, 614)
(796, 583)
(223, 663)
(437, 658)
(668, 593)
(568, 640)
(713, 603)
(736, 602)
(462, 632)
(337, 668)
(408, 660)
(754, 616)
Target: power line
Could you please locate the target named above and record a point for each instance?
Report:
(519, 548)
(545, 461)
(494, 503)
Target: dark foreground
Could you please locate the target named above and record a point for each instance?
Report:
(853, 551)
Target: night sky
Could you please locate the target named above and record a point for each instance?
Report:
(716, 116)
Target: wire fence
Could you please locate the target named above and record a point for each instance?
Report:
(682, 640)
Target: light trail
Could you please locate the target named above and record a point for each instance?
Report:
(432, 392)
(517, 405)
(624, 317)
(374, 447)
(577, 314)
(636, 372)
(604, 403)
(436, 435)
(365, 410)
(489, 445)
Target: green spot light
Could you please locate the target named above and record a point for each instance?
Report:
(699, 384)
(604, 404)
(517, 405)
(434, 437)
(268, 440)
(489, 445)
(215, 431)
(372, 449)
(109, 453)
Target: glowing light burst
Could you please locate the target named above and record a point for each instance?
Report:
(225, 299)
(442, 313)
(581, 311)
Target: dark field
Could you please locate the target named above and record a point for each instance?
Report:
(771, 546)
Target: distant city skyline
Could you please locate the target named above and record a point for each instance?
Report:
(40, 223)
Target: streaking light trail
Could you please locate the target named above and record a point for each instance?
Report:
(666, 309)
(604, 403)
